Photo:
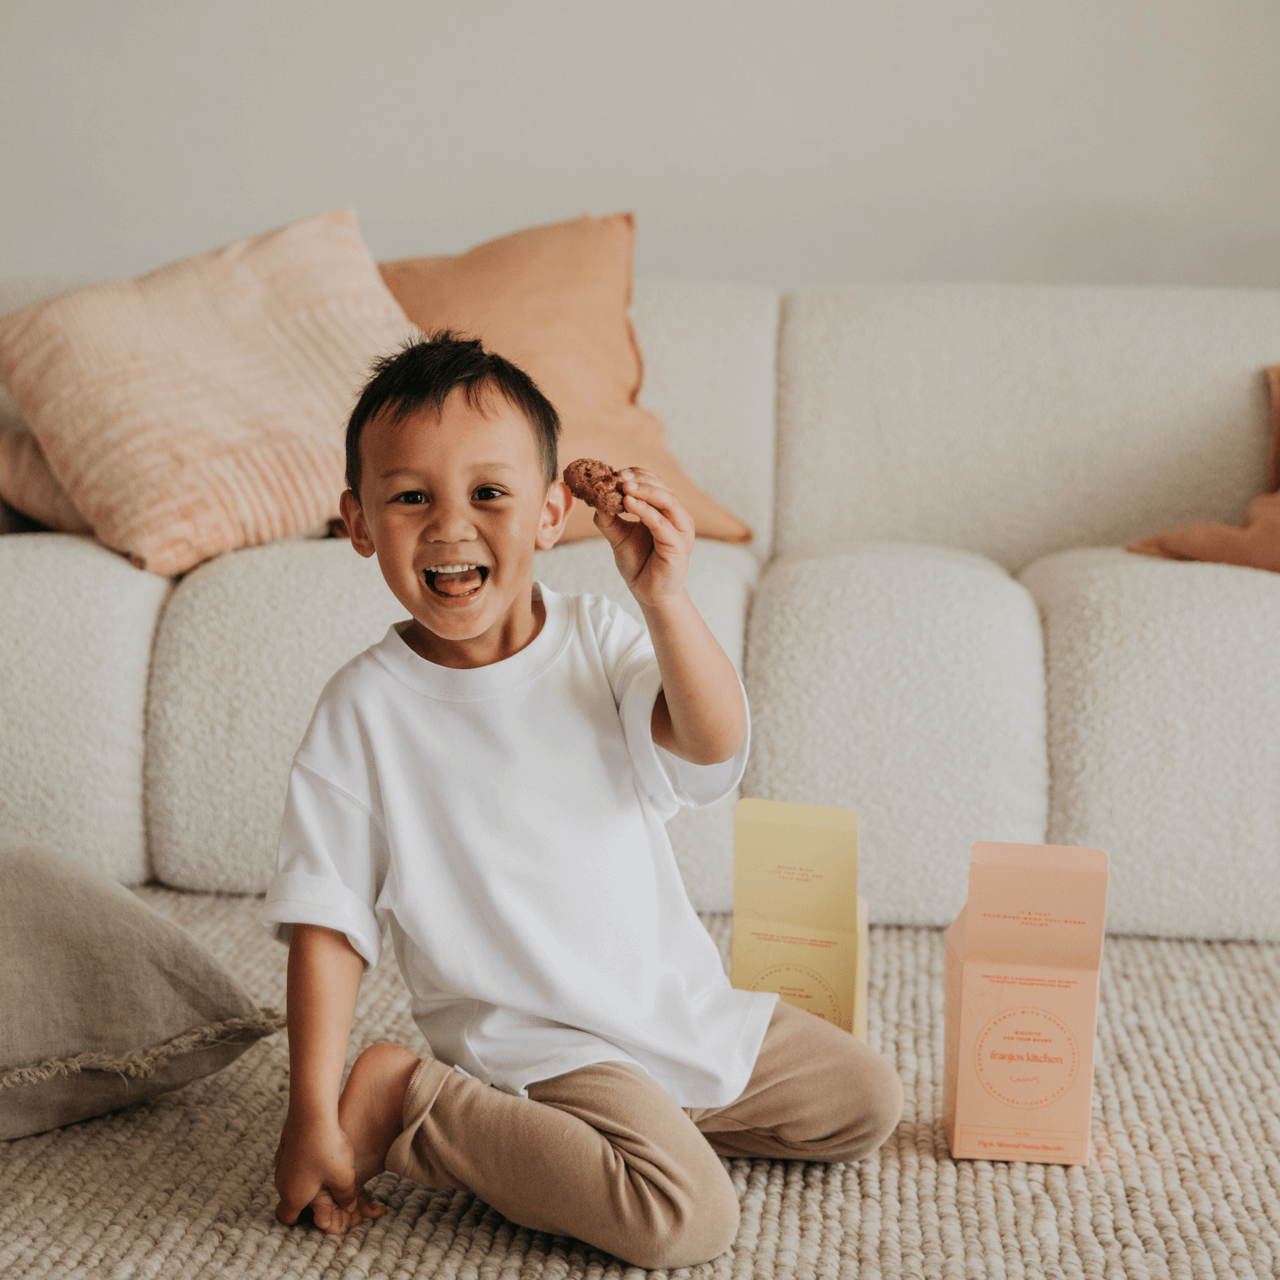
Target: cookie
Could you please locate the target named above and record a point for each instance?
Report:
(596, 483)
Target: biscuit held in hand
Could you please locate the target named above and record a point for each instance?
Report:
(596, 483)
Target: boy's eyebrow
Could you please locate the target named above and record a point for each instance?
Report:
(479, 466)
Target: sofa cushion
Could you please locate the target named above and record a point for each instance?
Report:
(248, 642)
(1162, 710)
(555, 299)
(906, 683)
(103, 1002)
(1015, 421)
(201, 407)
(75, 631)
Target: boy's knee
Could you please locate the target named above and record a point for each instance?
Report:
(875, 1110)
(703, 1232)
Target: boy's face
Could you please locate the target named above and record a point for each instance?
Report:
(464, 488)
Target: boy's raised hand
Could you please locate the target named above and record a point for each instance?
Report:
(315, 1169)
(652, 555)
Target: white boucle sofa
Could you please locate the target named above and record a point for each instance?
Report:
(936, 622)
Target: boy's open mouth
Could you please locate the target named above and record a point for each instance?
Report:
(456, 580)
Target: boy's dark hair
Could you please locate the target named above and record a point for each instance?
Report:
(423, 373)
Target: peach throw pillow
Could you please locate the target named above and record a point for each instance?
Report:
(555, 301)
(27, 485)
(1254, 544)
(203, 406)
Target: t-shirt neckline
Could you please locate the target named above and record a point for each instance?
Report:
(463, 683)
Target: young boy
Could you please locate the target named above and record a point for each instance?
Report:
(489, 783)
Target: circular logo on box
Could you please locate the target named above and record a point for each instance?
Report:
(1026, 1057)
(801, 987)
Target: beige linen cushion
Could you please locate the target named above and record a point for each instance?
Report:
(203, 406)
(103, 1002)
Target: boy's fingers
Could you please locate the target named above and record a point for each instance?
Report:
(291, 1205)
(287, 1213)
(345, 1196)
(662, 499)
(615, 531)
(660, 525)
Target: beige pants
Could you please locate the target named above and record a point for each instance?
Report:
(605, 1155)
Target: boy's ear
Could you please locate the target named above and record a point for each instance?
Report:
(555, 511)
(354, 519)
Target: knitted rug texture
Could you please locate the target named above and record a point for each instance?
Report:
(1184, 1183)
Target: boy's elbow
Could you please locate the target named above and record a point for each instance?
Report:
(707, 743)
(732, 750)
(715, 752)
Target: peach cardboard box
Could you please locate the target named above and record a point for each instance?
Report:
(799, 926)
(1023, 959)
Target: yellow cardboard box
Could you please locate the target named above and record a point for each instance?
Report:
(799, 926)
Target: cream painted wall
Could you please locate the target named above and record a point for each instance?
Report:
(786, 143)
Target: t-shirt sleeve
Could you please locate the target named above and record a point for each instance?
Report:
(632, 666)
(330, 865)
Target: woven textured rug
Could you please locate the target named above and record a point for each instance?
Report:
(1185, 1180)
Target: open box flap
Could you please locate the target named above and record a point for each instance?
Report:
(1036, 905)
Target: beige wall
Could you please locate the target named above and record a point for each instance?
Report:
(789, 143)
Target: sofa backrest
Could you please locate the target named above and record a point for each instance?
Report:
(1008, 420)
(710, 352)
(1015, 421)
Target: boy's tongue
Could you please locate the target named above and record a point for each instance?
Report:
(457, 584)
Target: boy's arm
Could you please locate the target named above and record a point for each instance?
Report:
(699, 715)
(315, 1164)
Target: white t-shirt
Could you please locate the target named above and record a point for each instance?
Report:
(505, 824)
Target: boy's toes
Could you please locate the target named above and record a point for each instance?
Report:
(371, 1208)
(328, 1215)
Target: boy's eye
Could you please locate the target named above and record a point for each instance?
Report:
(415, 497)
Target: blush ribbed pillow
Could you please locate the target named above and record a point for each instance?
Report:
(27, 484)
(555, 301)
(203, 406)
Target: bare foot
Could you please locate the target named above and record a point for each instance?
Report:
(371, 1109)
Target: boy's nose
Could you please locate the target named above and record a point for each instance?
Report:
(447, 521)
